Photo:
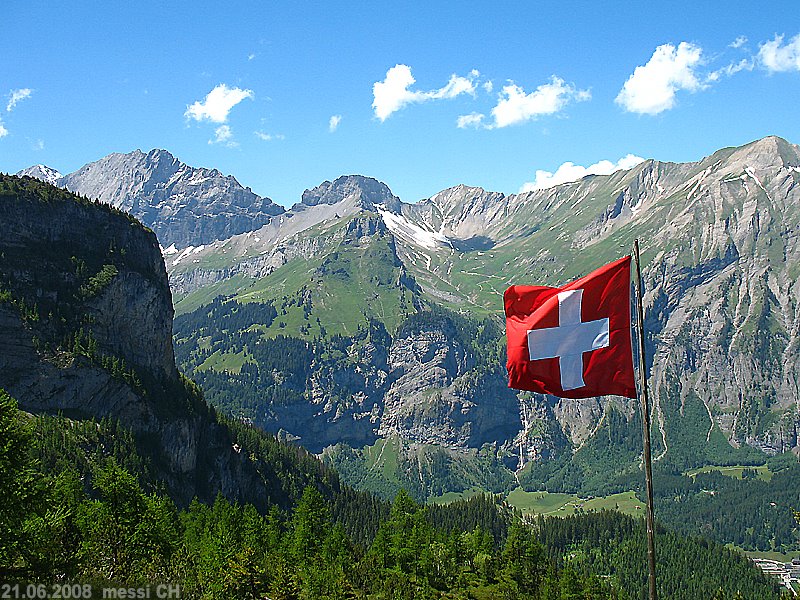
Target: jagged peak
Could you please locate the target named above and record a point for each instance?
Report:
(459, 194)
(368, 191)
(770, 142)
(168, 165)
(41, 172)
(159, 152)
(183, 204)
(775, 146)
(456, 204)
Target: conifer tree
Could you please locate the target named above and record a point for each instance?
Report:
(15, 481)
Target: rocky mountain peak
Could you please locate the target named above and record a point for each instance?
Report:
(458, 212)
(367, 192)
(770, 152)
(463, 199)
(41, 172)
(772, 144)
(184, 205)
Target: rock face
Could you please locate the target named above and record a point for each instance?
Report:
(421, 386)
(435, 398)
(721, 247)
(368, 193)
(56, 265)
(85, 330)
(184, 205)
(42, 173)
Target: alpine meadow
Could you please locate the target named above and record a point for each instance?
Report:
(334, 381)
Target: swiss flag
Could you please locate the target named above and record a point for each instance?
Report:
(573, 341)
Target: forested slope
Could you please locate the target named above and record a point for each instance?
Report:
(80, 506)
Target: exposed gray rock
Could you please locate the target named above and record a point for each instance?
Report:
(51, 251)
(721, 247)
(256, 254)
(435, 398)
(369, 193)
(41, 172)
(185, 206)
(131, 315)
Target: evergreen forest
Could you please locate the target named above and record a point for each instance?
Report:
(80, 505)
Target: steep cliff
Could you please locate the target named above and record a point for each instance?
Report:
(85, 330)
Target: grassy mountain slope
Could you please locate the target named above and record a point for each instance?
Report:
(720, 268)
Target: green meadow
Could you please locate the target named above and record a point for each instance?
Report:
(562, 505)
(735, 471)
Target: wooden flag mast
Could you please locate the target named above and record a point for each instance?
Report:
(648, 468)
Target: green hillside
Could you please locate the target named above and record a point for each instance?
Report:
(359, 279)
(80, 507)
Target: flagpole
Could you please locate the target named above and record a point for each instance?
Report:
(648, 468)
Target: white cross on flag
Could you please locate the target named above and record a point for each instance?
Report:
(573, 341)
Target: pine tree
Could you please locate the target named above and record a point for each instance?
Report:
(16, 479)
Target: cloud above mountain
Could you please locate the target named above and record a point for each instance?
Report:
(217, 104)
(215, 108)
(223, 135)
(515, 106)
(394, 92)
(569, 172)
(775, 56)
(652, 87)
(14, 97)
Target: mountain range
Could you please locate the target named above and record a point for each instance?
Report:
(370, 330)
(181, 204)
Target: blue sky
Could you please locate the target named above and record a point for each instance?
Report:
(422, 96)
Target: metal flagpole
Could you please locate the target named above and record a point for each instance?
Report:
(648, 468)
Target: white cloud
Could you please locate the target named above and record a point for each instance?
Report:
(568, 172)
(268, 137)
(216, 106)
(515, 106)
(470, 120)
(38, 145)
(651, 88)
(3, 131)
(738, 42)
(393, 93)
(223, 135)
(488, 86)
(251, 56)
(455, 86)
(333, 123)
(17, 96)
(745, 64)
(776, 57)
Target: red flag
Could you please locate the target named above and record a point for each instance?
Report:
(573, 341)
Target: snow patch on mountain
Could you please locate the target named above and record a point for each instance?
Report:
(414, 234)
(42, 172)
(186, 253)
